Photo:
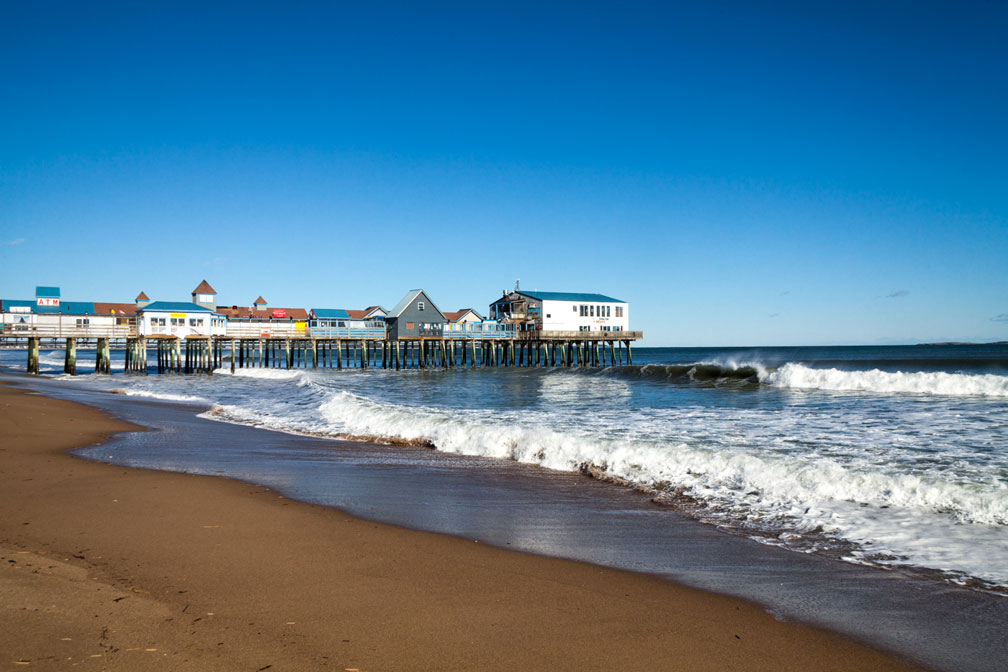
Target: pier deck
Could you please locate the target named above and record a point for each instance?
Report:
(197, 353)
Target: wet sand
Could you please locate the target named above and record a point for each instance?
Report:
(107, 567)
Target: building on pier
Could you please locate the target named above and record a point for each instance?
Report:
(467, 323)
(463, 316)
(261, 321)
(205, 295)
(415, 316)
(48, 316)
(341, 323)
(561, 311)
(179, 319)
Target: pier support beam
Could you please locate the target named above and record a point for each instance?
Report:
(33, 356)
(70, 360)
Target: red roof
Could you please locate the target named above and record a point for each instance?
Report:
(204, 288)
(260, 300)
(454, 316)
(357, 314)
(142, 297)
(248, 312)
(114, 308)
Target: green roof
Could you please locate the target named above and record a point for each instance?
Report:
(570, 296)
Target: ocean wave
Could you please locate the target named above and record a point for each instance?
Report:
(715, 474)
(296, 375)
(794, 375)
(704, 373)
(799, 376)
(165, 396)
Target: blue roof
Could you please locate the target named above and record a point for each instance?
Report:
(65, 307)
(330, 313)
(570, 296)
(47, 292)
(174, 307)
(17, 303)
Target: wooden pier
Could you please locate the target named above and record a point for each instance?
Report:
(204, 354)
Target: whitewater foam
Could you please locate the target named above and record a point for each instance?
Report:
(799, 376)
(165, 396)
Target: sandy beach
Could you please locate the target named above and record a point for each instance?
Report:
(107, 567)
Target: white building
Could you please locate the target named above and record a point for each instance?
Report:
(561, 311)
(177, 318)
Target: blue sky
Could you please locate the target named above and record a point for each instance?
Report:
(787, 173)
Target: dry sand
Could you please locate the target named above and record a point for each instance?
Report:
(106, 567)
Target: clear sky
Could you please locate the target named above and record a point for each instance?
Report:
(741, 173)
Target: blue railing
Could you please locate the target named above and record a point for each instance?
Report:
(332, 329)
(479, 330)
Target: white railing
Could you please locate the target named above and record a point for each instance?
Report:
(68, 331)
(272, 329)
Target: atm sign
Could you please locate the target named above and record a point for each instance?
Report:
(43, 301)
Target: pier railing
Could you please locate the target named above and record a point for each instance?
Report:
(259, 329)
(60, 330)
(536, 335)
(478, 330)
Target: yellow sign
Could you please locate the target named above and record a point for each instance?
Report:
(178, 315)
(300, 326)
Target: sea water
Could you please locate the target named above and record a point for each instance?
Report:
(889, 456)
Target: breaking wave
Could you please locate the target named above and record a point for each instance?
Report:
(150, 394)
(703, 373)
(801, 377)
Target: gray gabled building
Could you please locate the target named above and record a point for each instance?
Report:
(415, 316)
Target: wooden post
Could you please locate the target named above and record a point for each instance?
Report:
(33, 356)
(70, 358)
(629, 355)
(98, 357)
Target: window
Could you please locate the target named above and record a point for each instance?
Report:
(419, 305)
(575, 308)
(409, 325)
(83, 322)
(591, 310)
(548, 316)
(619, 311)
(608, 311)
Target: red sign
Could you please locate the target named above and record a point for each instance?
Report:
(42, 301)
(279, 313)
